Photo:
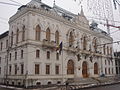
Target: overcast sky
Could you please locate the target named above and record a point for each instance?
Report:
(6, 11)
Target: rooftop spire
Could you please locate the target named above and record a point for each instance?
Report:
(82, 13)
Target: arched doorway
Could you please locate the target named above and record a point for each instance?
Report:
(84, 69)
(70, 67)
(95, 68)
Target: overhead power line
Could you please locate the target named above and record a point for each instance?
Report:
(5, 19)
(15, 2)
(9, 4)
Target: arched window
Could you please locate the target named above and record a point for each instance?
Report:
(95, 44)
(17, 36)
(57, 37)
(11, 38)
(23, 33)
(70, 67)
(48, 34)
(38, 31)
(84, 43)
(95, 68)
(71, 39)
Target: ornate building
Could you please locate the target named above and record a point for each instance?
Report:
(29, 54)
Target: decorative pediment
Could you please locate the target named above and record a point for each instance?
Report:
(80, 19)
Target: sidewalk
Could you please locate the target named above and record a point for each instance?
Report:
(70, 87)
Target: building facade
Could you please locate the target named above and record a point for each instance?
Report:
(32, 55)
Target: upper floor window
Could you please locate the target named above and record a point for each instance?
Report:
(23, 34)
(11, 38)
(15, 69)
(0, 70)
(36, 68)
(111, 51)
(105, 70)
(105, 62)
(57, 56)
(38, 31)
(17, 35)
(1, 46)
(57, 69)
(22, 68)
(48, 34)
(47, 69)
(10, 56)
(107, 50)
(57, 37)
(6, 43)
(37, 53)
(95, 44)
(84, 43)
(71, 39)
(0, 60)
(104, 49)
(10, 69)
(22, 53)
(15, 55)
(48, 54)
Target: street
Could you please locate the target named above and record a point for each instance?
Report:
(109, 87)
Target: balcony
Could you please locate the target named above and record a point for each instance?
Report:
(97, 53)
(73, 49)
(86, 52)
(49, 44)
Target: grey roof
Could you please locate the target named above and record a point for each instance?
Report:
(4, 34)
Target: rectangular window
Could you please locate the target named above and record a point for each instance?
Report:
(105, 70)
(47, 69)
(1, 45)
(37, 53)
(10, 69)
(57, 56)
(57, 69)
(6, 43)
(10, 56)
(15, 69)
(0, 70)
(48, 55)
(22, 68)
(104, 49)
(0, 60)
(22, 54)
(36, 68)
(15, 55)
(109, 70)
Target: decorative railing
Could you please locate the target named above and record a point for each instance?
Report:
(49, 44)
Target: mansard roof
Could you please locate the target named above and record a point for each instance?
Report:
(5, 34)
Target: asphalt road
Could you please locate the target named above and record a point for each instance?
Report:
(109, 87)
